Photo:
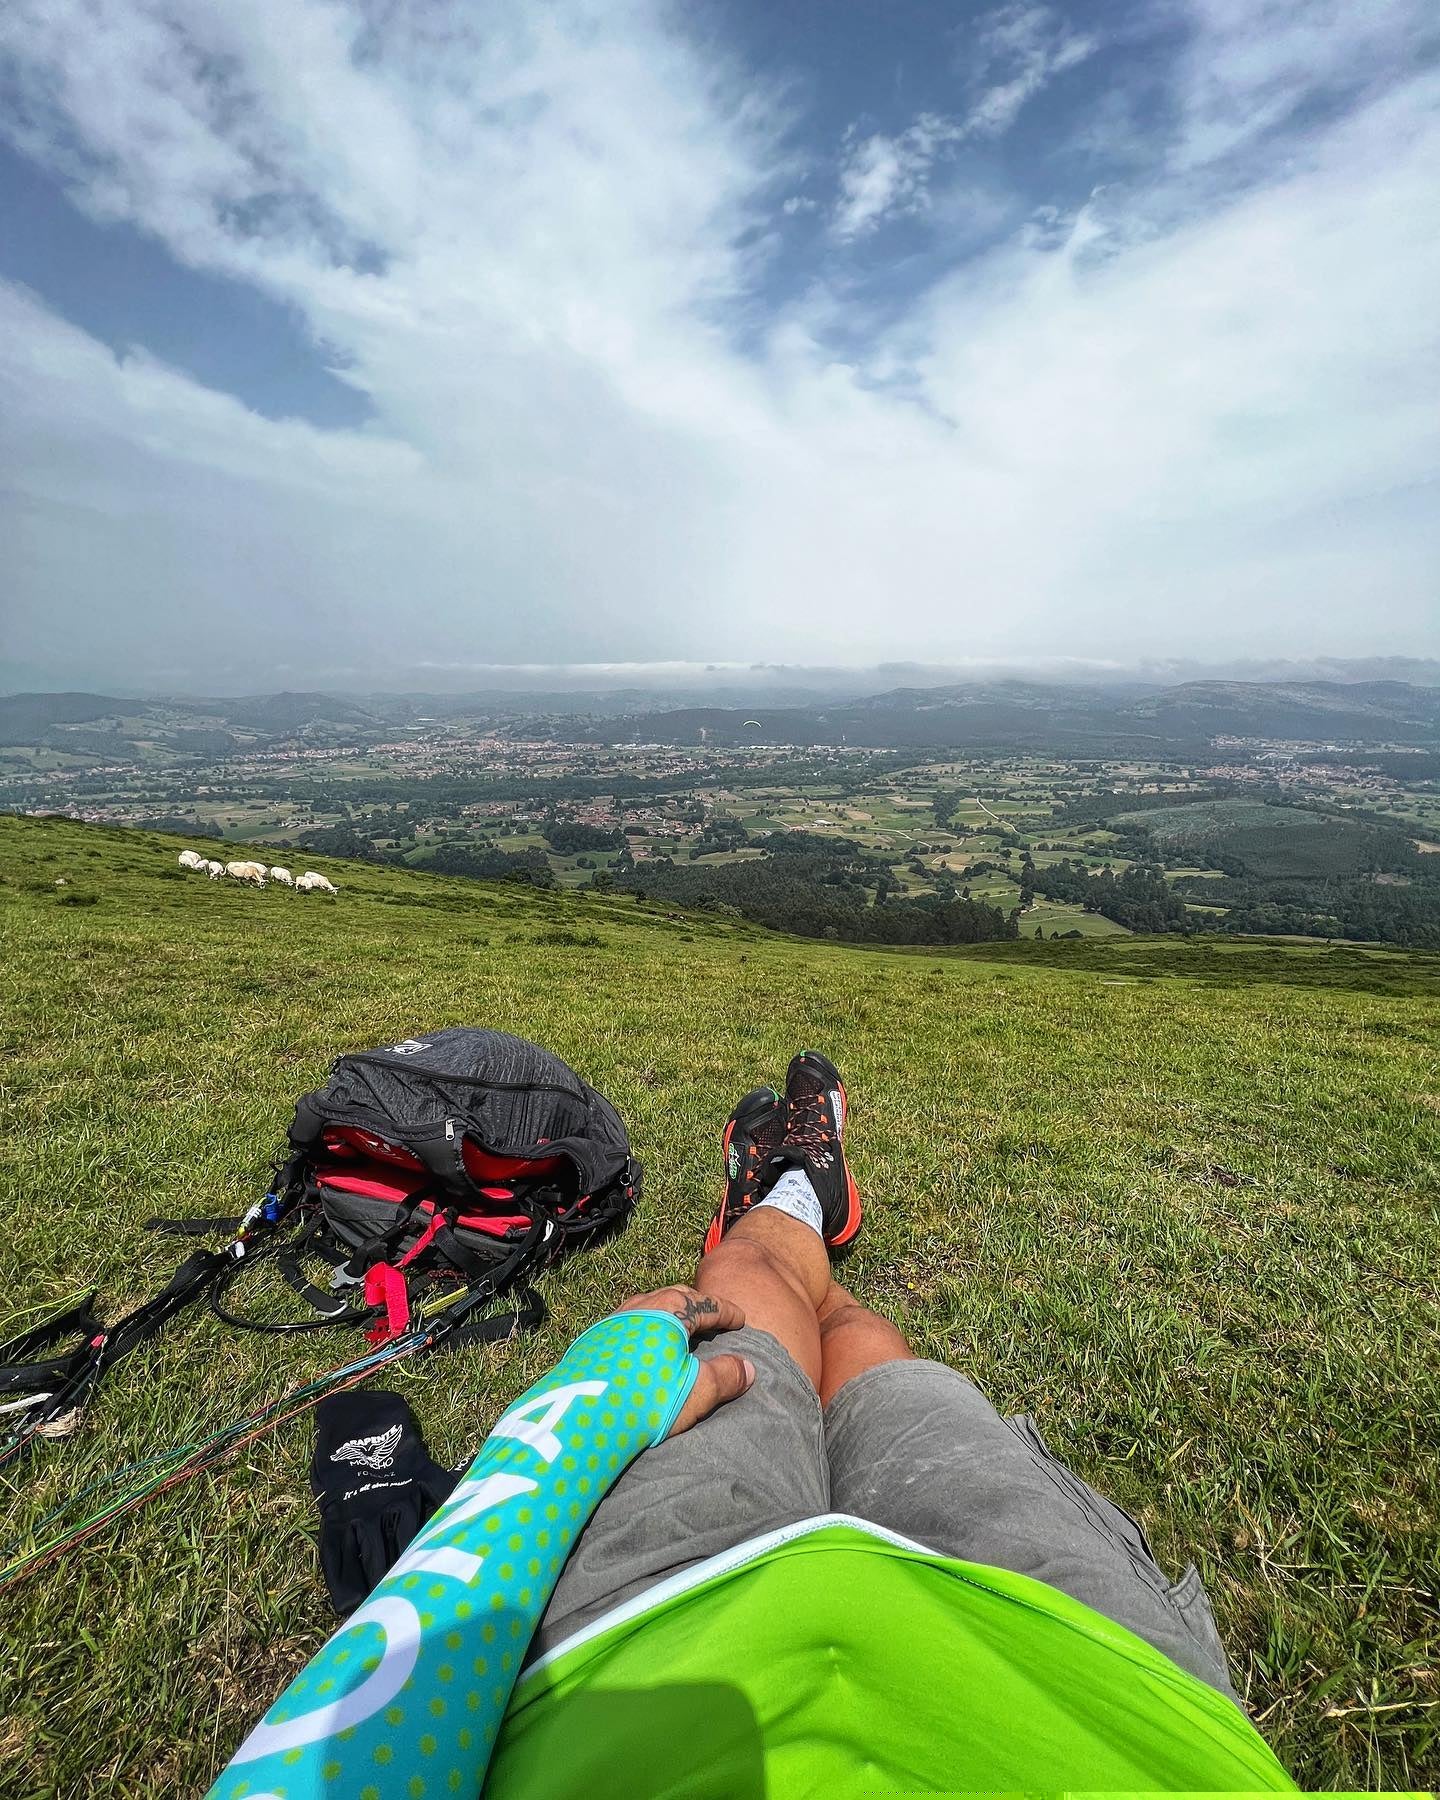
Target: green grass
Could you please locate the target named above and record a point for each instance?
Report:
(1054, 915)
(1178, 1199)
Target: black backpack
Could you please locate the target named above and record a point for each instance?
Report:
(458, 1160)
(427, 1179)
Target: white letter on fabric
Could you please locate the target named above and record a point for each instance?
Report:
(430, 1553)
(539, 1433)
(400, 1622)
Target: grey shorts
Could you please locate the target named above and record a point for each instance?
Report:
(911, 1446)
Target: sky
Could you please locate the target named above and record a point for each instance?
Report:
(343, 341)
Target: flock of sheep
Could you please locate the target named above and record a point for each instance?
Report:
(257, 874)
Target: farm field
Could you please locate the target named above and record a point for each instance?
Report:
(1290, 845)
(1177, 1197)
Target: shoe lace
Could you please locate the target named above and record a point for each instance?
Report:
(811, 1130)
(755, 1167)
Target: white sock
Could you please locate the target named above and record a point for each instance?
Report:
(793, 1195)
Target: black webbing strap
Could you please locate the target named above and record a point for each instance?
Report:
(594, 1215)
(314, 1241)
(468, 1320)
(470, 1263)
(22, 1372)
(528, 1313)
(332, 1309)
(109, 1344)
(41, 1376)
(187, 1283)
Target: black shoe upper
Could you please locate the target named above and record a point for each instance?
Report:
(814, 1133)
(758, 1126)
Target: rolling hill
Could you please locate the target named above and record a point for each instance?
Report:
(1076, 720)
(1178, 1199)
(1342, 711)
(1035, 715)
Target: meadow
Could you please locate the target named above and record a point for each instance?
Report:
(1177, 1199)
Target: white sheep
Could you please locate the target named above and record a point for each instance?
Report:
(283, 876)
(191, 859)
(312, 883)
(252, 872)
(214, 870)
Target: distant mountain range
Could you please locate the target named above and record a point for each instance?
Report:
(1009, 714)
(1016, 714)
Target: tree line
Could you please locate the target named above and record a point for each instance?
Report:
(1139, 898)
(817, 895)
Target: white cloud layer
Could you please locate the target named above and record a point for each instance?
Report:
(1014, 53)
(883, 175)
(1010, 56)
(1171, 426)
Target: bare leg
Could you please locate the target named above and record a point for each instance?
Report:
(777, 1271)
(853, 1339)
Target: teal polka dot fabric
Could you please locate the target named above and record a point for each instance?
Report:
(405, 1700)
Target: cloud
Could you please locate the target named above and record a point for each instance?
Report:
(1250, 68)
(1013, 52)
(884, 176)
(1192, 418)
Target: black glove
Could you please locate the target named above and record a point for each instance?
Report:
(376, 1484)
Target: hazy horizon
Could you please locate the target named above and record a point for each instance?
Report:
(336, 337)
(781, 683)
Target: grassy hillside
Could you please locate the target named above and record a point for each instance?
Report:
(1178, 1201)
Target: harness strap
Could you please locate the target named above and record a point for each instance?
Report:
(84, 1368)
(311, 1241)
(434, 1226)
(21, 1370)
(333, 1309)
(187, 1283)
(528, 1313)
(27, 1377)
(528, 1255)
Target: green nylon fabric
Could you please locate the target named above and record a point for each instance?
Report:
(840, 1664)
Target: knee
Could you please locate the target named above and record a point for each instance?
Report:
(739, 1262)
(836, 1300)
(851, 1332)
(845, 1314)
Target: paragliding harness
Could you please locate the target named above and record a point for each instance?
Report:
(431, 1178)
(434, 1170)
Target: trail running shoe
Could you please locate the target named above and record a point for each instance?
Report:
(753, 1135)
(816, 1107)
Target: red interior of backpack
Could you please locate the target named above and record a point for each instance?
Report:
(481, 1164)
(349, 1141)
(375, 1169)
(372, 1185)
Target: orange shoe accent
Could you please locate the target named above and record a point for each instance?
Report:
(853, 1216)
